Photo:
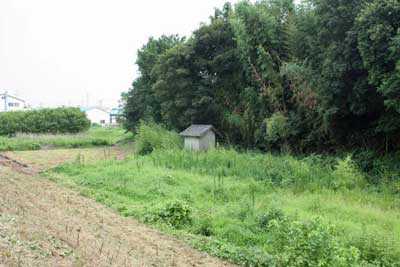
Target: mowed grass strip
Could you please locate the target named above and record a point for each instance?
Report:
(258, 219)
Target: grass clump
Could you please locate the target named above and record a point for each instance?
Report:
(151, 136)
(175, 214)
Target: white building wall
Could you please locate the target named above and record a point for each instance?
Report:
(98, 116)
(9, 103)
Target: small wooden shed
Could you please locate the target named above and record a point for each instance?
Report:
(199, 137)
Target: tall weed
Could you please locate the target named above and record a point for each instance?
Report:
(151, 136)
(283, 171)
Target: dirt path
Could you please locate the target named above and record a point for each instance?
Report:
(43, 224)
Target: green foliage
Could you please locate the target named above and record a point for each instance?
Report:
(382, 171)
(175, 213)
(379, 44)
(331, 68)
(151, 136)
(203, 226)
(347, 175)
(174, 86)
(306, 174)
(274, 214)
(59, 120)
(309, 243)
(278, 129)
(140, 102)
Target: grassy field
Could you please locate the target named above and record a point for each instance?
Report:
(253, 209)
(95, 136)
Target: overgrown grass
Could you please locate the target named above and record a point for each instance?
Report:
(253, 209)
(151, 136)
(95, 136)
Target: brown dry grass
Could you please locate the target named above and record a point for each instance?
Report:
(44, 159)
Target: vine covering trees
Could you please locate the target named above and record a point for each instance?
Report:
(316, 76)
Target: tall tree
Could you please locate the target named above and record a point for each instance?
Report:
(349, 104)
(140, 101)
(220, 75)
(174, 86)
(378, 27)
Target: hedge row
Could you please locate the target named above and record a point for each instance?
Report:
(58, 120)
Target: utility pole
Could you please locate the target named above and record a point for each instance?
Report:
(5, 101)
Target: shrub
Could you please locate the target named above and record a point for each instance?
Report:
(59, 120)
(151, 136)
(174, 213)
(375, 249)
(278, 129)
(310, 243)
(272, 214)
(347, 175)
(204, 227)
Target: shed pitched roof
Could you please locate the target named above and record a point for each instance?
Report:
(196, 130)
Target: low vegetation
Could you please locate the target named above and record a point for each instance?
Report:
(150, 136)
(250, 208)
(95, 136)
(43, 121)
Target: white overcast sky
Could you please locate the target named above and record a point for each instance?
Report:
(63, 52)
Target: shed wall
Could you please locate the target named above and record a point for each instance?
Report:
(192, 143)
(207, 141)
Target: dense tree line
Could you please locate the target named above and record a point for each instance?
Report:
(318, 76)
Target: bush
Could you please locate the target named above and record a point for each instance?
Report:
(151, 136)
(278, 129)
(174, 213)
(204, 227)
(59, 120)
(310, 243)
(347, 175)
(375, 250)
(272, 214)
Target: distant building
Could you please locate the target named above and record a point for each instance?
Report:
(199, 137)
(114, 114)
(101, 116)
(11, 103)
(97, 115)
